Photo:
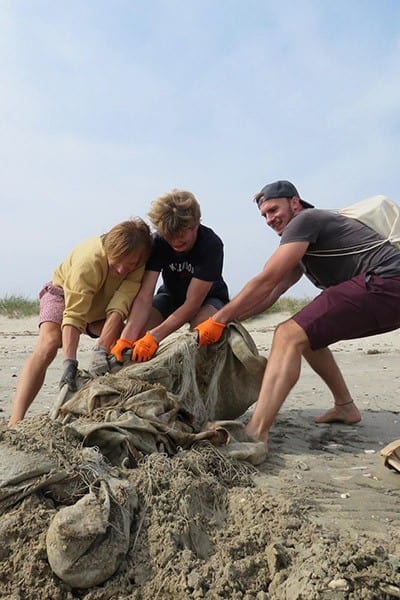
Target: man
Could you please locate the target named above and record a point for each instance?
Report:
(91, 292)
(189, 257)
(360, 275)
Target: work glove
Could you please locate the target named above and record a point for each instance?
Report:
(210, 332)
(98, 361)
(144, 348)
(119, 347)
(69, 375)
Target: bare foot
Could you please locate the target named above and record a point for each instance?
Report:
(345, 413)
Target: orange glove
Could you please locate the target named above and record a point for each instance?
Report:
(210, 331)
(118, 348)
(144, 348)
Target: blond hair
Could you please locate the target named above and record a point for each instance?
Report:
(127, 237)
(174, 212)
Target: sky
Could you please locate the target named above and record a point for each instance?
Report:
(105, 105)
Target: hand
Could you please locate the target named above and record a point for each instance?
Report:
(69, 375)
(144, 348)
(119, 347)
(210, 331)
(98, 361)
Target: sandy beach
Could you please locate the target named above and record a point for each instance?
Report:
(330, 477)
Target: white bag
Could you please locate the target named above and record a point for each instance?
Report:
(379, 213)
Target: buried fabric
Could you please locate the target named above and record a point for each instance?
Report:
(27, 465)
(89, 536)
(87, 541)
(185, 394)
(22, 474)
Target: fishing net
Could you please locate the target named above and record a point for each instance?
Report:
(184, 397)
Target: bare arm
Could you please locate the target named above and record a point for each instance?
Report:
(196, 293)
(70, 341)
(292, 277)
(279, 273)
(141, 308)
(111, 330)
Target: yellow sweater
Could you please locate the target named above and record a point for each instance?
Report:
(91, 289)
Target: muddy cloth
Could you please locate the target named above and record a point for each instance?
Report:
(184, 395)
(79, 458)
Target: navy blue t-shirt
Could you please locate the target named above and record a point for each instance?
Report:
(204, 261)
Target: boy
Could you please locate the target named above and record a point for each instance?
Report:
(189, 257)
(91, 292)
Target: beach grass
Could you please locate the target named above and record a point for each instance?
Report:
(288, 305)
(17, 307)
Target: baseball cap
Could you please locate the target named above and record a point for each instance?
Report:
(279, 189)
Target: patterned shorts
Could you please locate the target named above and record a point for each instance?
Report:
(52, 304)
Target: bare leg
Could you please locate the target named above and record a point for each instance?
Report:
(281, 374)
(155, 319)
(344, 410)
(206, 311)
(95, 328)
(33, 373)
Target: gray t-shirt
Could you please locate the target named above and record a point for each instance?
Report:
(357, 244)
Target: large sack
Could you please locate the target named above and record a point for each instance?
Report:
(87, 541)
(169, 401)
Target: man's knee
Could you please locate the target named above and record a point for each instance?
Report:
(291, 334)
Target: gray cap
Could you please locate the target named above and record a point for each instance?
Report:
(279, 189)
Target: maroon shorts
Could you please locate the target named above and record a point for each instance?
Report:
(360, 307)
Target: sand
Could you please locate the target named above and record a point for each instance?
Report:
(319, 519)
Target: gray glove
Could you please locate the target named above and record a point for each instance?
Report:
(69, 375)
(98, 361)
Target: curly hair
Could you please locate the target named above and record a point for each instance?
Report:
(174, 212)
